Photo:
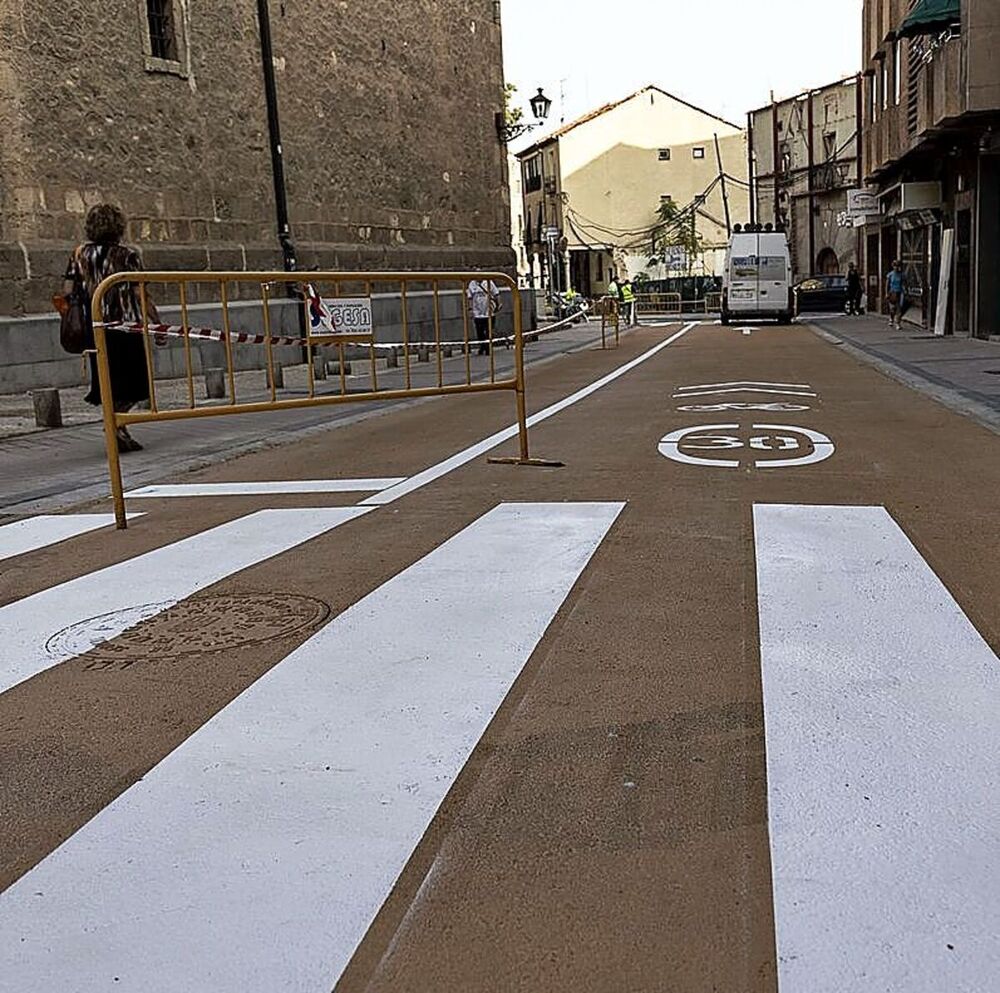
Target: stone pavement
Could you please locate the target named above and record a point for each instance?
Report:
(963, 373)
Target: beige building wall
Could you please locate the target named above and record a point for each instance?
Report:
(614, 174)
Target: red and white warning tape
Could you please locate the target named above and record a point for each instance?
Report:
(161, 332)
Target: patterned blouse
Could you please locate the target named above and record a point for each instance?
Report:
(93, 263)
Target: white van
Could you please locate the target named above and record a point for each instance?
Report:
(757, 281)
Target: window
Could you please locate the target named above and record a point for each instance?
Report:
(664, 155)
(699, 152)
(533, 174)
(163, 28)
(162, 37)
(666, 198)
(830, 146)
(885, 84)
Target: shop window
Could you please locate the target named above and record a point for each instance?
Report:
(664, 155)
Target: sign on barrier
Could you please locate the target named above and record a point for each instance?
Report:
(339, 316)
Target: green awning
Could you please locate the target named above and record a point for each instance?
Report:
(929, 16)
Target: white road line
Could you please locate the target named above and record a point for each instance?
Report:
(49, 529)
(256, 855)
(748, 382)
(741, 389)
(124, 594)
(481, 448)
(883, 731)
(265, 488)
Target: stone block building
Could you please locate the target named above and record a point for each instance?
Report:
(387, 113)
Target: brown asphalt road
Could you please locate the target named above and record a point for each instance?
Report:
(610, 831)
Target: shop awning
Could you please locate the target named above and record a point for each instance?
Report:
(929, 16)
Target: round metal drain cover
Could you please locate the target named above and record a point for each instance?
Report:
(199, 626)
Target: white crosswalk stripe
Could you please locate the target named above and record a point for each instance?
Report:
(124, 594)
(256, 855)
(44, 530)
(881, 714)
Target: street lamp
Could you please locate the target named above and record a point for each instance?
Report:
(510, 131)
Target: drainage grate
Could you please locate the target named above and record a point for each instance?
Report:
(199, 626)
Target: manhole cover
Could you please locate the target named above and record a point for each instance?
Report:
(199, 626)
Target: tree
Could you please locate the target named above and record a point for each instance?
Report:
(678, 229)
(513, 116)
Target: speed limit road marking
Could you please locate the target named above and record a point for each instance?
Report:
(698, 445)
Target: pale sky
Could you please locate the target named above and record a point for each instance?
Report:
(722, 55)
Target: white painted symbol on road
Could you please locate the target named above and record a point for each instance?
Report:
(744, 386)
(811, 447)
(779, 406)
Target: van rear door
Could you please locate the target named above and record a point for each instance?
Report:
(744, 277)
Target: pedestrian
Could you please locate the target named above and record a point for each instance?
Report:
(628, 300)
(855, 290)
(103, 255)
(895, 289)
(484, 299)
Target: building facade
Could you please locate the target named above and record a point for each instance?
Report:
(806, 155)
(390, 140)
(932, 155)
(593, 191)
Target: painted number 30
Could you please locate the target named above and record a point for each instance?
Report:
(694, 446)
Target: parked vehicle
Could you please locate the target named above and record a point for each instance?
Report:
(818, 294)
(757, 280)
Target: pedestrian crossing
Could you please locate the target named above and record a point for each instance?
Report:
(120, 596)
(258, 853)
(880, 708)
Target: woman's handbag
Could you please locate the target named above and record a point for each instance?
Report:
(76, 333)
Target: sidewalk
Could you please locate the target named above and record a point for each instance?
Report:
(44, 471)
(962, 373)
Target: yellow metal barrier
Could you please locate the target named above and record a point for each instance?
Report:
(659, 303)
(336, 304)
(610, 317)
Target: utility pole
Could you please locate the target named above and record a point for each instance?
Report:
(725, 192)
(750, 169)
(775, 163)
(274, 131)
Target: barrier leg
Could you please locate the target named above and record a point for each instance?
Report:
(522, 408)
(110, 423)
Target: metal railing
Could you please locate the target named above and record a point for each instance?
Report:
(339, 312)
(659, 303)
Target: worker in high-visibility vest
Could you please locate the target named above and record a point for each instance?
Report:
(628, 302)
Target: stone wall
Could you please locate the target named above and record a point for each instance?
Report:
(391, 152)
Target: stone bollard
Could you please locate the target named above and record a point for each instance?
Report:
(319, 367)
(333, 368)
(391, 359)
(279, 377)
(448, 351)
(215, 383)
(48, 409)
(424, 353)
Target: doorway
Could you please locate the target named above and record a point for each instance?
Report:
(963, 273)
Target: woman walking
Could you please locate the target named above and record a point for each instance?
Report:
(101, 256)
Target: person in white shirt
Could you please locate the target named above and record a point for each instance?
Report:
(484, 299)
